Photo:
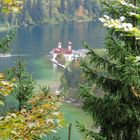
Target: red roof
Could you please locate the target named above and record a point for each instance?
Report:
(62, 50)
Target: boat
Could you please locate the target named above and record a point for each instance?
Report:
(5, 55)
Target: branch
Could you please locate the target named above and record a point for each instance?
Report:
(107, 83)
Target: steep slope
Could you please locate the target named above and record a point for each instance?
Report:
(54, 11)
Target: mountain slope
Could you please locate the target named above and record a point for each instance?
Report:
(54, 11)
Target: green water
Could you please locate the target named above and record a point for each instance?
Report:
(45, 70)
(72, 114)
(36, 42)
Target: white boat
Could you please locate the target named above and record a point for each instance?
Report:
(5, 55)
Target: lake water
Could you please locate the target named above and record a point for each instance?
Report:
(35, 43)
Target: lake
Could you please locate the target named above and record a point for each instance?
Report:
(35, 43)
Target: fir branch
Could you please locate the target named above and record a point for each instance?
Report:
(89, 133)
(113, 86)
(104, 64)
(109, 7)
(113, 46)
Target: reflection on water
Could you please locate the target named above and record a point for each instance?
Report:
(36, 42)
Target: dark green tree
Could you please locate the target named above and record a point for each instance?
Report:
(73, 75)
(62, 6)
(71, 7)
(77, 3)
(87, 5)
(51, 7)
(117, 111)
(24, 84)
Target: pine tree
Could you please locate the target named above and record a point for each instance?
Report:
(117, 112)
(71, 8)
(51, 7)
(24, 84)
(62, 6)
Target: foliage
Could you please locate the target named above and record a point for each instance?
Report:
(71, 79)
(24, 84)
(41, 120)
(45, 89)
(60, 59)
(117, 112)
(89, 134)
(56, 138)
(49, 11)
(5, 86)
(43, 116)
(73, 74)
(9, 6)
(5, 42)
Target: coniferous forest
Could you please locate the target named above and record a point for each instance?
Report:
(53, 11)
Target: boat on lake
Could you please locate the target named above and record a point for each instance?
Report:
(5, 55)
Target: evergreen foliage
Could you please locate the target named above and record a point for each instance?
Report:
(117, 113)
(5, 42)
(71, 79)
(24, 84)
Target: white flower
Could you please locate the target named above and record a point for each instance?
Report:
(55, 113)
(5, 83)
(102, 19)
(110, 26)
(127, 26)
(54, 131)
(122, 18)
(133, 6)
(123, 2)
(132, 13)
(137, 58)
(106, 16)
(49, 120)
(15, 9)
(1, 118)
(13, 115)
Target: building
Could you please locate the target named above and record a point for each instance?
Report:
(67, 53)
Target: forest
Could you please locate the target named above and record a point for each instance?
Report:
(49, 11)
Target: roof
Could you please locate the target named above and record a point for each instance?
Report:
(62, 50)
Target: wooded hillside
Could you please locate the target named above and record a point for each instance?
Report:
(53, 11)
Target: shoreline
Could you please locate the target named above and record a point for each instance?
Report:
(76, 104)
(5, 28)
(54, 86)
